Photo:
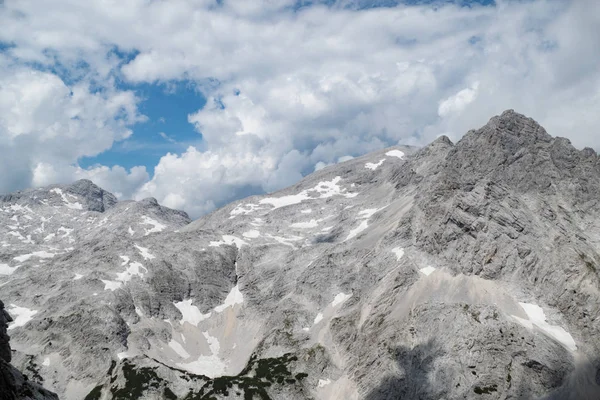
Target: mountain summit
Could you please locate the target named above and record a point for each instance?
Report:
(467, 270)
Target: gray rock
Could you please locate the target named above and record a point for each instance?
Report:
(13, 384)
(467, 270)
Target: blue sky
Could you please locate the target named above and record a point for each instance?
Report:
(166, 130)
(168, 105)
(201, 103)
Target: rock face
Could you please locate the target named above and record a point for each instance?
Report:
(13, 384)
(467, 270)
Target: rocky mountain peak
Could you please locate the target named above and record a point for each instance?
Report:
(512, 124)
(515, 151)
(96, 198)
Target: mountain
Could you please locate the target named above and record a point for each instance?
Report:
(467, 270)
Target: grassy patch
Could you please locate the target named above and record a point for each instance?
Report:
(137, 381)
(486, 389)
(253, 381)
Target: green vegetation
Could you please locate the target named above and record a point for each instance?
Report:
(486, 389)
(137, 382)
(253, 381)
(33, 369)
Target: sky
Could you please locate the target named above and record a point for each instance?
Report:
(201, 102)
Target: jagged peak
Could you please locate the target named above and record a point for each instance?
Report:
(443, 140)
(516, 126)
(149, 201)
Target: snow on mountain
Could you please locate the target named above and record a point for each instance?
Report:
(452, 271)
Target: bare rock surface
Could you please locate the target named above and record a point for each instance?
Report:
(13, 384)
(457, 271)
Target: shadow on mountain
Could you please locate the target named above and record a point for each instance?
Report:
(583, 383)
(413, 382)
(421, 377)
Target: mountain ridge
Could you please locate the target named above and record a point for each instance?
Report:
(455, 270)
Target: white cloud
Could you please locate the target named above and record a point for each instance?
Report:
(45, 125)
(167, 137)
(457, 103)
(116, 179)
(290, 92)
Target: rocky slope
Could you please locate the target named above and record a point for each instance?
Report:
(467, 270)
(13, 384)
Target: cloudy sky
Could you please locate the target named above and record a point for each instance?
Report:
(201, 102)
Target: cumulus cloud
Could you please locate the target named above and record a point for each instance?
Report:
(122, 183)
(45, 125)
(457, 102)
(290, 91)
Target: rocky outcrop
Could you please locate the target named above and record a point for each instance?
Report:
(5, 318)
(13, 384)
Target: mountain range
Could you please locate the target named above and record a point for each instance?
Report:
(452, 271)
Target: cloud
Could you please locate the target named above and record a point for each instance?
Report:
(122, 183)
(457, 102)
(45, 122)
(167, 137)
(292, 90)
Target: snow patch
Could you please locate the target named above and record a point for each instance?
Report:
(178, 348)
(363, 214)
(537, 318)
(278, 202)
(340, 298)
(190, 313)
(21, 315)
(66, 231)
(318, 318)
(38, 254)
(323, 189)
(26, 240)
(234, 297)
(368, 213)
(285, 241)
(46, 362)
(324, 382)
(313, 223)
(211, 366)
(131, 231)
(374, 166)
(111, 285)
(156, 226)
(395, 153)
(307, 211)
(252, 234)
(134, 269)
(73, 206)
(228, 240)
(399, 252)
(144, 252)
(427, 270)
(6, 269)
(244, 209)
(354, 232)
(77, 277)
